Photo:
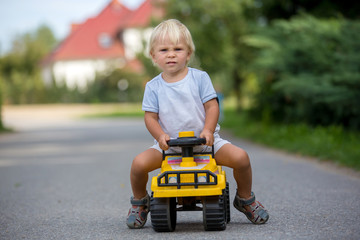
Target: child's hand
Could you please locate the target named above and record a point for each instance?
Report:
(209, 136)
(163, 142)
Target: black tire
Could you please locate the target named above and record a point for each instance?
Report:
(227, 202)
(214, 213)
(163, 214)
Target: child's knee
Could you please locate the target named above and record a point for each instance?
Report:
(242, 160)
(146, 162)
(138, 165)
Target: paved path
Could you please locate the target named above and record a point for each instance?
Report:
(65, 178)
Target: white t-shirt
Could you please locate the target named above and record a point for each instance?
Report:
(180, 104)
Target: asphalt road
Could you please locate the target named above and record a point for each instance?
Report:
(69, 179)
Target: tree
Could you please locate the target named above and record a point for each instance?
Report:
(218, 28)
(20, 68)
(20, 80)
(120, 85)
(1, 98)
(310, 71)
(284, 9)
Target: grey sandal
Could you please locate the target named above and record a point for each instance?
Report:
(257, 215)
(137, 215)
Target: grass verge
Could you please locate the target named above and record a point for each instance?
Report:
(325, 143)
(5, 130)
(115, 114)
(121, 110)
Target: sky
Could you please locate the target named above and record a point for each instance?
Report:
(22, 16)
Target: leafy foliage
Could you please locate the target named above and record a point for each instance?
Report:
(22, 83)
(332, 143)
(106, 88)
(284, 9)
(19, 69)
(218, 28)
(311, 72)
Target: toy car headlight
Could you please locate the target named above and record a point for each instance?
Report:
(202, 179)
(172, 179)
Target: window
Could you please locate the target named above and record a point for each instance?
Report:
(105, 40)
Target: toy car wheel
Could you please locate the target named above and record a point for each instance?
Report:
(227, 202)
(214, 213)
(163, 214)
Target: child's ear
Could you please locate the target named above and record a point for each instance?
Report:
(152, 57)
(189, 56)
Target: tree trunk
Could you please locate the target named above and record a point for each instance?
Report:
(237, 87)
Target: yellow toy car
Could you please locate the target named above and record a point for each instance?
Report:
(189, 182)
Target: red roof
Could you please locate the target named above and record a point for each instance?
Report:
(83, 42)
(142, 16)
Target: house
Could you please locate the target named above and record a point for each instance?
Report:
(102, 43)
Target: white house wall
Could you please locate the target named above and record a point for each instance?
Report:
(134, 40)
(79, 72)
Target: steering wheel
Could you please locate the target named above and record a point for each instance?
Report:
(186, 142)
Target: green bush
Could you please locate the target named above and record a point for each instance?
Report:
(310, 72)
(331, 143)
(105, 88)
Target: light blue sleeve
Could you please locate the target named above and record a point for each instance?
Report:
(207, 91)
(150, 101)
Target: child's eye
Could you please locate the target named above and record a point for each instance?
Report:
(178, 49)
(163, 50)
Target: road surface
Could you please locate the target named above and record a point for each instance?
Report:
(62, 177)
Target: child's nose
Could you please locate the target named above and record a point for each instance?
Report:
(171, 53)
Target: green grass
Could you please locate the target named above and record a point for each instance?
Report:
(5, 130)
(122, 110)
(115, 115)
(325, 143)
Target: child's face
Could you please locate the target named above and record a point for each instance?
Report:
(171, 58)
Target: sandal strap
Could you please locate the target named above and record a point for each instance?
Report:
(262, 213)
(257, 214)
(246, 202)
(137, 214)
(137, 217)
(140, 202)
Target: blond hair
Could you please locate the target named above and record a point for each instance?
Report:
(175, 31)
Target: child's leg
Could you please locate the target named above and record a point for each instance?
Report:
(142, 164)
(236, 158)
